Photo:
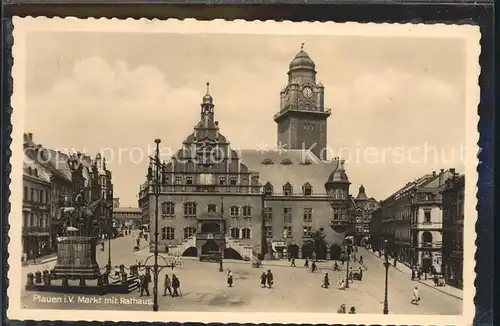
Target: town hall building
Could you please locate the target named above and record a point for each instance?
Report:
(254, 202)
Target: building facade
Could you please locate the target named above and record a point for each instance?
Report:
(411, 222)
(248, 201)
(59, 172)
(126, 216)
(362, 217)
(453, 230)
(36, 210)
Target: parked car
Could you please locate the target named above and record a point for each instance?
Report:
(212, 257)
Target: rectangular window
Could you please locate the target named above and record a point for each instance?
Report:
(288, 231)
(245, 234)
(36, 196)
(235, 211)
(190, 209)
(308, 215)
(247, 211)
(233, 181)
(222, 181)
(235, 233)
(25, 193)
(268, 214)
(41, 198)
(168, 233)
(189, 180)
(189, 232)
(178, 180)
(287, 214)
(168, 209)
(269, 231)
(307, 232)
(427, 216)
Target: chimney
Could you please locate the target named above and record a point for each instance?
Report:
(30, 136)
(442, 171)
(453, 171)
(434, 173)
(216, 123)
(441, 178)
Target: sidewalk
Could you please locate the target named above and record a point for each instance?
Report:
(41, 260)
(450, 290)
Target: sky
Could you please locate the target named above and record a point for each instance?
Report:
(398, 104)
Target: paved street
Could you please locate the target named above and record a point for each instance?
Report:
(296, 289)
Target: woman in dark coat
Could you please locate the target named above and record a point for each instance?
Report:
(263, 279)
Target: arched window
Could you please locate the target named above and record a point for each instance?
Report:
(307, 189)
(268, 189)
(427, 239)
(212, 208)
(267, 161)
(287, 189)
(286, 161)
(189, 231)
(235, 233)
(246, 233)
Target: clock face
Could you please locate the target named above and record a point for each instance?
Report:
(307, 91)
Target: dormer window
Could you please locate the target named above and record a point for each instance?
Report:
(307, 189)
(268, 189)
(287, 189)
(286, 161)
(267, 161)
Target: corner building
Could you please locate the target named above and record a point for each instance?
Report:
(254, 202)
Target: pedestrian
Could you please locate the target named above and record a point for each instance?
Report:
(350, 278)
(146, 236)
(361, 259)
(263, 280)
(306, 263)
(293, 263)
(270, 279)
(341, 309)
(342, 284)
(336, 266)
(360, 273)
(352, 310)
(230, 278)
(416, 296)
(413, 276)
(145, 284)
(24, 257)
(313, 267)
(117, 270)
(176, 285)
(326, 281)
(342, 260)
(167, 286)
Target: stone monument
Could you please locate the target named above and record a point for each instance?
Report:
(76, 247)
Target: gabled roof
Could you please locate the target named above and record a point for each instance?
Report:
(297, 167)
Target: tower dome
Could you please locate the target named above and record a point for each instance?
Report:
(302, 61)
(207, 99)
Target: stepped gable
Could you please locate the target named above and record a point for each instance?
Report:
(297, 167)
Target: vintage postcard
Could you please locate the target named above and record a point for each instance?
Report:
(239, 171)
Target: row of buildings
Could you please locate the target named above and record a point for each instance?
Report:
(422, 224)
(257, 202)
(51, 180)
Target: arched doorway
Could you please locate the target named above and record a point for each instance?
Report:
(321, 251)
(230, 253)
(307, 250)
(209, 247)
(210, 227)
(293, 251)
(335, 252)
(190, 252)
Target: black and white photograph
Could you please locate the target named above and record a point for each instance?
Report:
(239, 171)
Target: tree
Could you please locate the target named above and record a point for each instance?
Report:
(318, 243)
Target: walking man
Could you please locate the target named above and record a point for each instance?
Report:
(270, 279)
(167, 286)
(306, 264)
(293, 263)
(263, 280)
(230, 278)
(145, 284)
(326, 281)
(416, 296)
(176, 284)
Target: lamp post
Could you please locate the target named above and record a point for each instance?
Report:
(386, 265)
(156, 186)
(347, 250)
(223, 234)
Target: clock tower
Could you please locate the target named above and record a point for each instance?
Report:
(302, 118)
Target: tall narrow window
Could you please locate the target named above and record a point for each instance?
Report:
(287, 214)
(307, 215)
(245, 233)
(268, 214)
(235, 233)
(235, 211)
(190, 209)
(307, 189)
(247, 211)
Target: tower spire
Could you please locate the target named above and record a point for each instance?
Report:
(208, 87)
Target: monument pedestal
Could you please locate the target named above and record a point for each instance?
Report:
(76, 258)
